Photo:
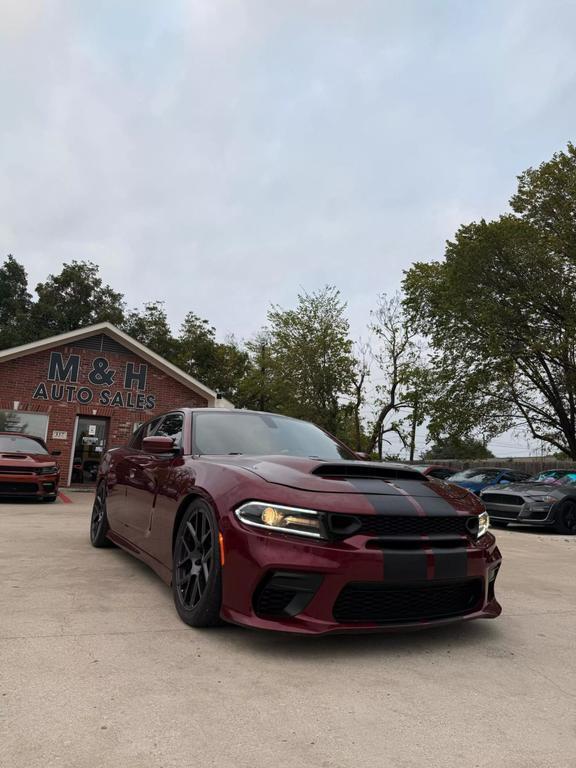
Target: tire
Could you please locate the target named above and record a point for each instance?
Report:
(196, 568)
(565, 518)
(99, 520)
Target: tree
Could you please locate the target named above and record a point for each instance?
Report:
(74, 299)
(15, 304)
(500, 313)
(260, 388)
(313, 361)
(399, 368)
(151, 328)
(456, 447)
(362, 362)
(221, 366)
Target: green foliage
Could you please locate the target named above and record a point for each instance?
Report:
(500, 313)
(221, 366)
(455, 447)
(262, 385)
(15, 304)
(73, 299)
(313, 365)
(151, 328)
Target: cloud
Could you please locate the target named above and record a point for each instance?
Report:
(219, 155)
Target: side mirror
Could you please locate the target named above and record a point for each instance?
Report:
(363, 456)
(158, 444)
(55, 453)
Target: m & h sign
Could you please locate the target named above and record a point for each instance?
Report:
(102, 386)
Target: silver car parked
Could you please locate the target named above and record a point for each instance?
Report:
(548, 498)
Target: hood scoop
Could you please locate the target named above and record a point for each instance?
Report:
(344, 471)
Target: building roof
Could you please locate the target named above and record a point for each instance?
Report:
(126, 341)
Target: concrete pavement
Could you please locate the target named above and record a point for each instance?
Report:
(97, 671)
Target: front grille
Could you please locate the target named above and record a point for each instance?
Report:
(412, 525)
(503, 498)
(381, 604)
(15, 489)
(16, 471)
(504, 514)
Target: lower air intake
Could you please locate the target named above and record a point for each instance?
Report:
(285, 593)
(382, 604)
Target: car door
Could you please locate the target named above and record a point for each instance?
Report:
(145, 470)
(128, 475)
(119, 480)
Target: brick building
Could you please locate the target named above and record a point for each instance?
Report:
(87, 390)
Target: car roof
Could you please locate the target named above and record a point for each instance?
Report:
(492, 469)
(555, 469)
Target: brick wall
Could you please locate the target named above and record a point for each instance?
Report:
(19, 379)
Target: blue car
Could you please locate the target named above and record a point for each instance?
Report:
(477, 479)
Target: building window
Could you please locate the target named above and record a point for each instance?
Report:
(24, 421)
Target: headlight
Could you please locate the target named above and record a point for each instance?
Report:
(543, 500)
(48, 470)
(483, 523)
(274, 517)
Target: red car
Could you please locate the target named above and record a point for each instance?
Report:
(26, 467)
(434, 470)
(270, 522)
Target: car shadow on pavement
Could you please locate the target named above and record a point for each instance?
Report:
(478, 633)
(440, 639)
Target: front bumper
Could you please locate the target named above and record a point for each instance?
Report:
(281, 582)
(30, 485)
(526, 513)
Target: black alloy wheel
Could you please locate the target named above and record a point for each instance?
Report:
(196, 571)
(566, 518)
(99, 520)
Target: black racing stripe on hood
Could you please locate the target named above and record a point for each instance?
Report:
(391, 505)
(397, 500)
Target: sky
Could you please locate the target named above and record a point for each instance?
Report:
(223, 155)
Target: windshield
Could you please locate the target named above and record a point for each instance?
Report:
(260, 434)
(19, 444)
(554, 476)
(476, 475)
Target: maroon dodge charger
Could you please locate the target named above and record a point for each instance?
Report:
(270, 522)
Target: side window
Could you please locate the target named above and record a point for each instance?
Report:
(507, 477)
(142, 432)
(171, 426)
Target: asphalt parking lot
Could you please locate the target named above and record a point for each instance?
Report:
(97, 670)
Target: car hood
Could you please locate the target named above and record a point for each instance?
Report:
(525, 489)
(343, 476)
(8, 459)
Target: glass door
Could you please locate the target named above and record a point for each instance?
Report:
(90, 444)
